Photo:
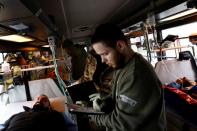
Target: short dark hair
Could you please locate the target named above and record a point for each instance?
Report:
(109, 34)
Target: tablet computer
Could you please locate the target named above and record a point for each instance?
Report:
(77, 109)
(81, 92)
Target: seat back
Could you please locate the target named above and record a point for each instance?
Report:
(171, 70)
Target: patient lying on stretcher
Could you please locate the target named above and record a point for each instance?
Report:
(40, 117)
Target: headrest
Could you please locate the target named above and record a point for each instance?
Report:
(185, 55)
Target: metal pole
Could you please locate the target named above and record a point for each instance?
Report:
(147, 44)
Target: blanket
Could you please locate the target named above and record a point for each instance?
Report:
(36, 121)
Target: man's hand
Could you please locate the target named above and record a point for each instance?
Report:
(96, 104)
(82, 103)
(94, 96)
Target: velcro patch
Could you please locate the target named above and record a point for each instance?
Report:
(128, 100)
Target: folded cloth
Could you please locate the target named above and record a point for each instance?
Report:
(182, 95)
(175, 85)
(185, 82)
(1, 126)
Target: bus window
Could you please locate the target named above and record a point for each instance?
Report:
(183, 32)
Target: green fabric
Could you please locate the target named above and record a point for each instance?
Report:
(138, 97)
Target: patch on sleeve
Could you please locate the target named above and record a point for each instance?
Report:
(128, 100)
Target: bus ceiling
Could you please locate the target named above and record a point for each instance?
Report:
(73, 19)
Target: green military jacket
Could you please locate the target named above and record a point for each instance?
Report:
(138, 97)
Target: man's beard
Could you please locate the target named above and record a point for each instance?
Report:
(120, 61)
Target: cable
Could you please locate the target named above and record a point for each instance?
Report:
(63, 86)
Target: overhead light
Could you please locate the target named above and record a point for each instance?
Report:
(16, 38)
(20, 26)
(178, 15)
(46, 46)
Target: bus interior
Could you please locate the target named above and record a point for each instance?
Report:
(158, 29)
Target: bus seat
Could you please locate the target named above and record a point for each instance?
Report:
(171, 70)
(43, 86)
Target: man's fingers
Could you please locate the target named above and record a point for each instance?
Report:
(96, 106)
(91, 99)
(92, 95)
